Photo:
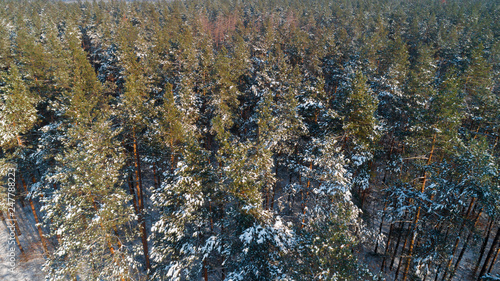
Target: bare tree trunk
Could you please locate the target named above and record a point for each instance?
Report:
(489, 257)
(437, 272)
(457, 240)
(130, 181)
(205, 271)
(380, 227)
(483, 246)
(401, 225)
(387, 245)
(402, 251)
(466, 244)
(275, 184)
(440, 265)
(494, 259)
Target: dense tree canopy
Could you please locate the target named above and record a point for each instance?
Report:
(255, 140)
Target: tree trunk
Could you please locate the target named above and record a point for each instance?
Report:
(466, 244)
(387, 245)
(408, 233)
(437, 272)
(205, 271)
(489, 257)
(457, 240)
(132, 192)
(380, 227)
(33, 210)
(140, 202)
(483, 246)
(401, 225)
(417, 216)
(494, 259)
(275, 184)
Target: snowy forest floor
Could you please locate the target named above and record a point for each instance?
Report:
(28, 265)
(365, 252)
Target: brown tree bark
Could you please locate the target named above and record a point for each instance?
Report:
(400, 262)
(132, 192)
(417, 216)
(205, 270)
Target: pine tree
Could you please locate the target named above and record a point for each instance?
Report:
(135, 112)
(360, 131)
(89, 210)
(360, 123)
(17, 107)
(182, 235)
(325, 242)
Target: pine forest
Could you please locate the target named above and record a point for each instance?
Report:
(241, 140)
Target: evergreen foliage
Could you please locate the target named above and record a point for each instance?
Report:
(255, 140)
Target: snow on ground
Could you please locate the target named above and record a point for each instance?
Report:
(28, 266)
(373, 261)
